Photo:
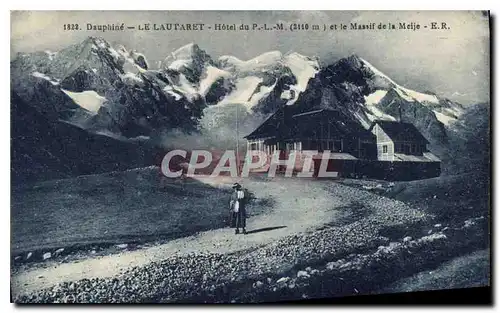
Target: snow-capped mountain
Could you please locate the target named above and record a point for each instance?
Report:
(102, 88)
(360, 90)
(110, 90)
(270, 80)
(270, 75)
(261, 83)
(445, 110)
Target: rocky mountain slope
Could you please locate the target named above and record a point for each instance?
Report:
(43, 148)
(98, 87)
(111, 91)
(356, 87)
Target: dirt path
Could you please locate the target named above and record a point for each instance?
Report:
(300, 205)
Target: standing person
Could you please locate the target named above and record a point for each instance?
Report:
(238, 211)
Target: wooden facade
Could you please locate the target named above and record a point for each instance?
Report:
(385, 145)
(385, 150)
(318, 130)
(396, 138)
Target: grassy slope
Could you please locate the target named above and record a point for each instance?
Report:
(471, 270)
(450, 198)
(134, 205)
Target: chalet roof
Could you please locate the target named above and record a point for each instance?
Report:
(336, 156)
(288, 123)
(400, 131)
(426, 157)
(269, 128)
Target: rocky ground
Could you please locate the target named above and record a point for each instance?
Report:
(305, 266)
(353, 242)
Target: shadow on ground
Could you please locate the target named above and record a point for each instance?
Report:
(264, 229)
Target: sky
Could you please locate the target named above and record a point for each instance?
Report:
(453, 63)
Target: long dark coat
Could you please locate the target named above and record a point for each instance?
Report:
(238, 219)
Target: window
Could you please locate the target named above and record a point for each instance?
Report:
(331, 146)
(407, 148)
(338, 145)
(298, 146)
(384, 149)
(313, 145)
(399, 147)
(253, 146)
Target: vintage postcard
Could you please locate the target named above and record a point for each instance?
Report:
(248, 156)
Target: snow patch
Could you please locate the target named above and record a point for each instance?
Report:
(43, 76)
(303, 69)
(185, 87)
(259, 63)
(375, 97)
(262, 93)
(88, 99)
(286, 95)
(445, 119)
(407, 94)
(212, 74)
(433, 237)
(454, 111)
(375, 113)
(421, 97)
(243, 91)
(381, 115)
(403, 95)
(185, 57)
(51, 54)
(168, 89)
(140, 138)
(132, 79)
(136, 55)
(177, 65)
(101, 43)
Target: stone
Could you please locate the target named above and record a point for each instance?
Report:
(303, 274)
(47, 255)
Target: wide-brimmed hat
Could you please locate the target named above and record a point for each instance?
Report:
(236, 186)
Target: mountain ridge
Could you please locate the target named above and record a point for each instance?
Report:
(111, 90)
